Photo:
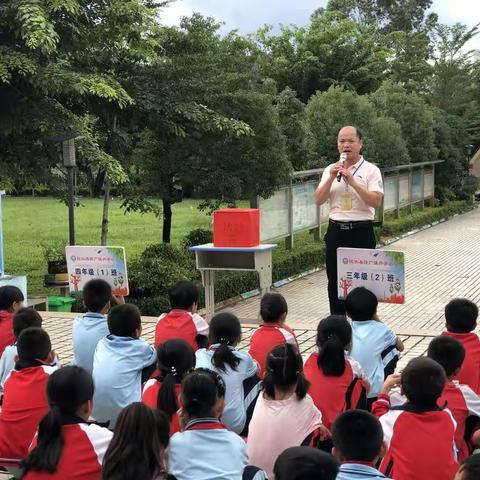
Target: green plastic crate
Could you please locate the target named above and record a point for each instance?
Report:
(60, 304)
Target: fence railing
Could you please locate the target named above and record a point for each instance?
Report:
(291, 209)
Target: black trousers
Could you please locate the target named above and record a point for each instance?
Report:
(363, 236)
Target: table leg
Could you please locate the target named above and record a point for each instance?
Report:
(208, 280)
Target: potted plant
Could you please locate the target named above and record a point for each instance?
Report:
(54, 254)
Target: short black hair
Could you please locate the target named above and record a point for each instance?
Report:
(423, 381)
(123, 320)
(24, 318)
(470, 467)
(461, 315)
(361, 304)
(448, 352)
(358, 435)
(183, 295)
(10, 294)
(33, 344)
(272, 307)
(96, 294)
(305, 463)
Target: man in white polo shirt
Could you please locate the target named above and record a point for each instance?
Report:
(354, 188)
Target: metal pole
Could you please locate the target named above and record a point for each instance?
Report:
(71, 220)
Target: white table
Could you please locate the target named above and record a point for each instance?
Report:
(210, 258)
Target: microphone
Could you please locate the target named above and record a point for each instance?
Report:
(343, 157)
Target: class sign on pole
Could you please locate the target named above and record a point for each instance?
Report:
(85, 263)
(380, 271)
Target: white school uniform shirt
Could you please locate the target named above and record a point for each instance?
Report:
(234, 415)
(368, 176)
(369, 340)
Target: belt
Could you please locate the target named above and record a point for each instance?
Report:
(350, 225)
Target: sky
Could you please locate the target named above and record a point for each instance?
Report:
(248, 15)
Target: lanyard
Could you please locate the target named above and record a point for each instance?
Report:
(354, 173)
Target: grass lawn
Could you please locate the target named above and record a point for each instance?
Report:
(29, 223)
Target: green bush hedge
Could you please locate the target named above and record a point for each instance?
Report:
(161, 265)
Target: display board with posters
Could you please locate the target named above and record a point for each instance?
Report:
(381, 271)
(304, 207)
(274, 215)
(85, 263)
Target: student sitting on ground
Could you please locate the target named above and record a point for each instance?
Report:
(460, 399)
(24, 400)
(137, 449)
(122, 362)
(273, 331)
(461, 320)
(305, 463)
(23, 318)
(67, 446)
(88, 329)
(237, 369)
(374, 346)
(182, 321)
(284, 415)
(470, 468)
(337, 383)
(175, 358)
(419, 435)
(358, 444)
(205, 449)
(11, 300)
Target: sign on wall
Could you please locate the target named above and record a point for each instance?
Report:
(86, 263)
(381, 271)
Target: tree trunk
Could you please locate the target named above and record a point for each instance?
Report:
(98, 183)
(167, 220)
(106, 204)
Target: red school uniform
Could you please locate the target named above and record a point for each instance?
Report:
(420, 443)
(84, 446)
(6, 330)
(180, 324)
(462, 401)
(333, 395)
(266, 337)
(470, 371)
(149, 398)
(24, 405)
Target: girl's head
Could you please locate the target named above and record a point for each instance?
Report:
(175, 358)
(203, 394)
(225, 332)
(69, 394)
(11, 298)
(136, 449)
(273, 308)
(334, 336)
(284, 370)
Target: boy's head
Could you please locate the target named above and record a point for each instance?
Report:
(361, 304)
(183, 295)
(24, 318)
(11, 298)
(125, 321)
(33, 344)
(273, 308)
(305, 463)
(470, 468)
(448, 352)
(357, 436)
(96, 295)
(461, 315)
(423, 381)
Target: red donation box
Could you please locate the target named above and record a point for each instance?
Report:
(236, 227)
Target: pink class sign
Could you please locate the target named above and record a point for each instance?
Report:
(85, 263)
(381, 271)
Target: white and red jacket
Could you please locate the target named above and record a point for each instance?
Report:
(470, 371)
(333, 395)
(420, 443)
(24, 405)
(266, 337)
(84, 446)
(180, 324)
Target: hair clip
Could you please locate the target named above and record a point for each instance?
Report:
(173, 370)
